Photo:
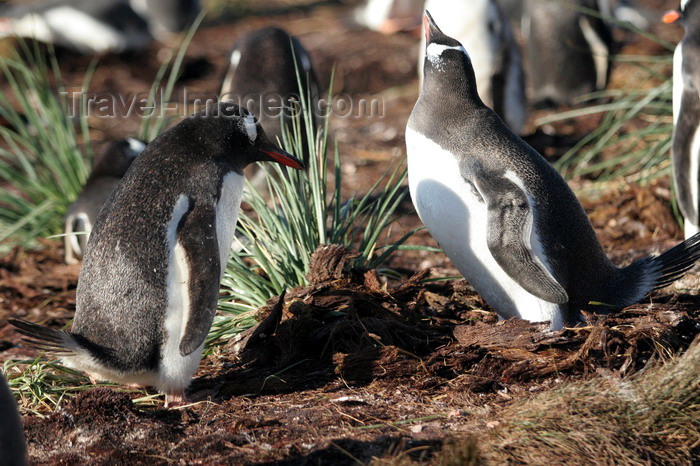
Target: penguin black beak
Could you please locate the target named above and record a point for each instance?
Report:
(280, 156)
(430, 27)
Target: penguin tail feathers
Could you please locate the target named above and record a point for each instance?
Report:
(660, 271)
(43, 338)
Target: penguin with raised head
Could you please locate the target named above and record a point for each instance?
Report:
(502, 213)
(685, 151)
(105, 176)
(86, 26)
(568, 50)
(13, 448)
(149, 285)
(486, 33)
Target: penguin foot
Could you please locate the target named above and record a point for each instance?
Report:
(173, 400)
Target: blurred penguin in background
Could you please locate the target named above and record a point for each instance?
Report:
(568, 50)
(13, 449)
(485, 32)
(85, 26)
(167, 17)
(106, 175)
(513, 9)
(626, 11)
(685, 151)
(390, 16)
(262, 77)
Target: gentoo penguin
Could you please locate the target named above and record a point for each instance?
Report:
(167, 17)
(262, 76)
(685, 151)
(504, 216)
(568, 50)
(106, 175)
(13, 449)
(149, 285)
(86, 26)
(485, 32)
(389, 16)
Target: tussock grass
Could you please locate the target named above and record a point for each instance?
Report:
(305, 209)
(633, 139)
(46, 151)
(44, 160)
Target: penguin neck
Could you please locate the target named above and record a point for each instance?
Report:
(456, 92)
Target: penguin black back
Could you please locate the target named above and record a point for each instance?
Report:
(191, 160)
(262, 76)
(568, 50)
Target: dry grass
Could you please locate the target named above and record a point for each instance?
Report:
(650, 418)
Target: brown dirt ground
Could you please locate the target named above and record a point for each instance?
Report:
(348, 369)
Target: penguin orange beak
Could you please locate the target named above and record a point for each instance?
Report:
(429, 26)
(671, 16)
(284, 158)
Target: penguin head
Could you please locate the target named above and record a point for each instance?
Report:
(242, 138)
(447, 68)
(117, 157)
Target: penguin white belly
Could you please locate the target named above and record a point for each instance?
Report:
(457, 218)
(86, 33)
(175, 370)
(227, 214)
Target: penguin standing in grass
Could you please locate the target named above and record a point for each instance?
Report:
(106, 175)
(685, 151)
(504, 216)
(149, 285)
(568, 50)
(486, 33)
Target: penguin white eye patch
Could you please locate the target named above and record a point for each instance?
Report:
(434, 51)
(250, 128)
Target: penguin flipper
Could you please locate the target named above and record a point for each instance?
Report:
(510, 222)
(685, 132)
(197, 236)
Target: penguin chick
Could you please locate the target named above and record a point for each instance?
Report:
(13, 448)
(507, 220)
(149, 285)
(86, 26)
(106, 175)
(485, 32)
(685, 149)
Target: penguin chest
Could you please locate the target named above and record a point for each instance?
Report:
(457, 217)
(227, 214)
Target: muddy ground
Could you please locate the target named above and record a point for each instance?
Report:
(349, 369)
